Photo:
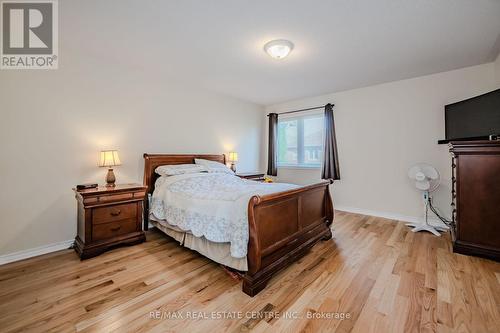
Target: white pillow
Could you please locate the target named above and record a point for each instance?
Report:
(179, 169)
(213, 166)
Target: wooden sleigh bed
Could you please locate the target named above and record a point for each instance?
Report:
(283, 226)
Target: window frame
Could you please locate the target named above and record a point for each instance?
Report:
(300, 142)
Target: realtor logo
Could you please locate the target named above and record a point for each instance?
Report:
(29, 34)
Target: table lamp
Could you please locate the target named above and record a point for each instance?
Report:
(109, 159)
(233, 157)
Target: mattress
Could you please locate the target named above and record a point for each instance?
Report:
(213, 206)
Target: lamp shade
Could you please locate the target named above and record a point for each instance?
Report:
(233, 156)
(109, 158)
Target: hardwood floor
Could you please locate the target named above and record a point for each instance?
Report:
(384, 278)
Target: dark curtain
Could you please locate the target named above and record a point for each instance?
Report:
(330, 169)
(272, 151)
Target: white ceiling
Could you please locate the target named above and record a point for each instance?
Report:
(339, 45)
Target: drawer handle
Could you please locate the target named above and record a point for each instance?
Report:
(116, 228)
(116, 212)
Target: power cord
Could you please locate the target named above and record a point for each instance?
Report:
(434, 210)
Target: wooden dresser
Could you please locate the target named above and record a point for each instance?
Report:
(108, 217)
(476, 198)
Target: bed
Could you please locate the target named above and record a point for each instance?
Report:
(281, 222)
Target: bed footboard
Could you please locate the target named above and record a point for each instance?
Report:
(284, 226)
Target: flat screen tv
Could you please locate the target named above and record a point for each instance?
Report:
(473, 119)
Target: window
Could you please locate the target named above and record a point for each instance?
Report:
(300, 141)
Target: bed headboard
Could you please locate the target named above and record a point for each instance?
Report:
(152, 161)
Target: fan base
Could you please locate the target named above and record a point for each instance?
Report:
(426, 227)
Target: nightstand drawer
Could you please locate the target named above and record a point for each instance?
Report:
(114, 213)
(109, 230)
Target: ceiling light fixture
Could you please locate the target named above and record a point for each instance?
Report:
(279, 48)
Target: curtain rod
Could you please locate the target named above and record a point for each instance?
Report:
(308, 109)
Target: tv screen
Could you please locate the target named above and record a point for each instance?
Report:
(474, 118)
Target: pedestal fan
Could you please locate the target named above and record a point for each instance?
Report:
(426, 179)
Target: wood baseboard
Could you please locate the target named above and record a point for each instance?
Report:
(474, 250)
(94, 249)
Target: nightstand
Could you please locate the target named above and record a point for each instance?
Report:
(108, 217)
(252, 176)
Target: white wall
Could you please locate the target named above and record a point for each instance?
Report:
(382, 130)
(53, 124)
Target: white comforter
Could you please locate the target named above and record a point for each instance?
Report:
(213, 205)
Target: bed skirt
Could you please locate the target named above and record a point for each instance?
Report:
(218, 252)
